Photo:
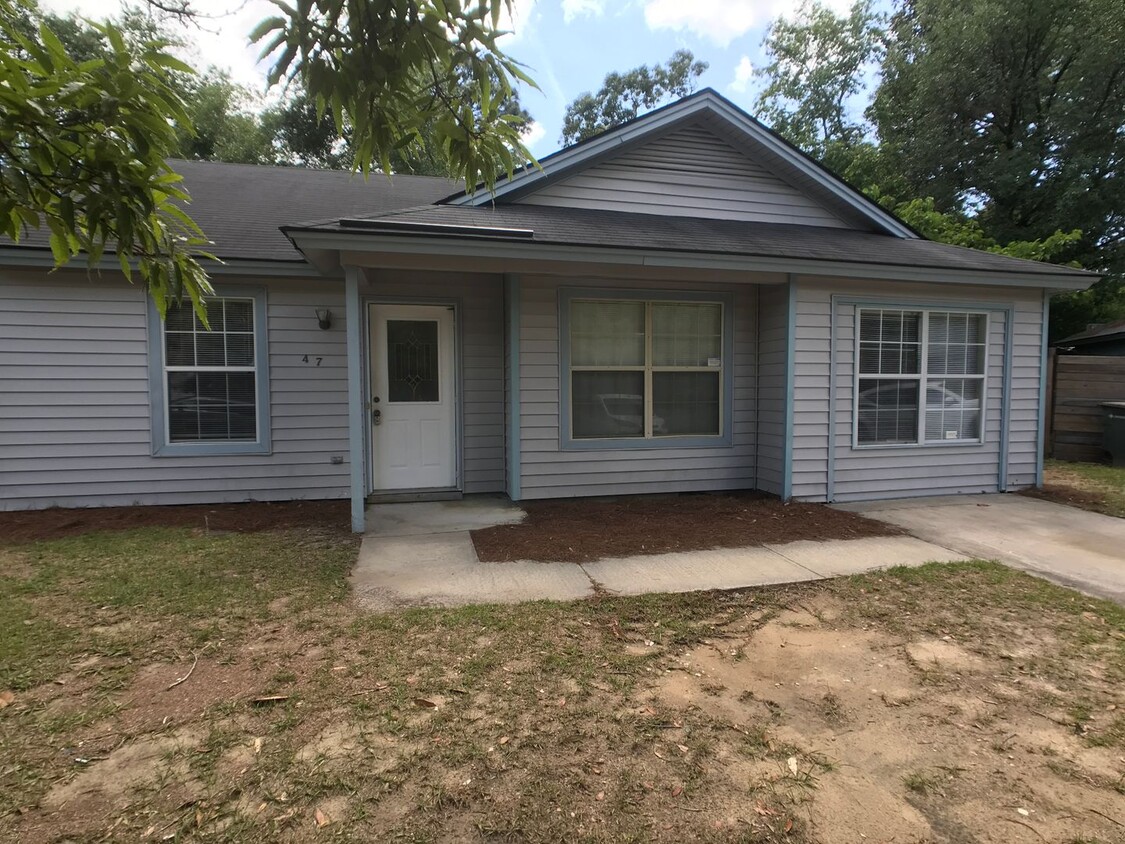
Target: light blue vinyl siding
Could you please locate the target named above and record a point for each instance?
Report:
(74, 400)
(773, 351)
(548, 471)
(872, 473)
(690, 172)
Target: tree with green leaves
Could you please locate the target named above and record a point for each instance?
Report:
(386, 70)
(928, 148)
(84, 143)
(623, 96)
(223, 124)
(815, 78)
(1012, 110)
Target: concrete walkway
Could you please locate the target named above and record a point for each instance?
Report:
(1076, 548)
(421, 554)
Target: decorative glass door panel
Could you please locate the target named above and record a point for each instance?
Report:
(412, 361)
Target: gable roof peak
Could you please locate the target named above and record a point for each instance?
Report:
(722, 117)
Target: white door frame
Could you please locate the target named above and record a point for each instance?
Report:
(457, 379)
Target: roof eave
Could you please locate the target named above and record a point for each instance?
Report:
(319, 241)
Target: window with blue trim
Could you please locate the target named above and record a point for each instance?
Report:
(209, 384)
(646, 370)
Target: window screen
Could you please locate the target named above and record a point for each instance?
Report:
(211, 376)
(904, 390)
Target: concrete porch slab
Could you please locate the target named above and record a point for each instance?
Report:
(421, 554)
(422, 517)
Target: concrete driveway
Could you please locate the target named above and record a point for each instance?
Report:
(1073, 547)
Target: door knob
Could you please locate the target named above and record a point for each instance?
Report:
(376, 416)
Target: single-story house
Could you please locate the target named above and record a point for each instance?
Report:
(685, 302)
(1104, 339)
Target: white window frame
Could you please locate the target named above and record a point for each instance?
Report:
(162, 444)
(922, 377)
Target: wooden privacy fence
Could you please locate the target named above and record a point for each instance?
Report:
(1076, 387)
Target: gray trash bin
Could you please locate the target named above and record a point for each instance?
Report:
(1114, 437)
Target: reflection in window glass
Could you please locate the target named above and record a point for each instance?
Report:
(608, 404)
(685, 403)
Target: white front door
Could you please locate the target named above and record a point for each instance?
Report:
(413, 405)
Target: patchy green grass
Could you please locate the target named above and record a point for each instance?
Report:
(222, 687)
(1092, 486)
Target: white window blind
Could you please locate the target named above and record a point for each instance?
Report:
(920, 376)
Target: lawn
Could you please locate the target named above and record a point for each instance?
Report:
(170, 683)
(1091, 486)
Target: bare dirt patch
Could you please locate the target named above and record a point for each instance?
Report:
(1088, 486)
(581, 531)
(926, 704)
(893, 738)
(21, 526)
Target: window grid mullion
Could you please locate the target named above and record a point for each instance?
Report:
(648, 370)
(923, 373)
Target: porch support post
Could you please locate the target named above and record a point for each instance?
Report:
(353, 318)
(790, 384)
(1044, 408)
(512, 319)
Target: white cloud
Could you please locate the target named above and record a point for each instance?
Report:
(722, 21)
(742, 75)
(532, 134)
(221, 38)
(578, 8)
(517, 21)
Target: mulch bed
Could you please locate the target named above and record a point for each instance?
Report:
(251, 517)
(584, 530)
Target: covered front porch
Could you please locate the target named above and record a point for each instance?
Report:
(508, 376)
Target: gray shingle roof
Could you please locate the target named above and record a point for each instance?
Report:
(241, 207)
(616, 229)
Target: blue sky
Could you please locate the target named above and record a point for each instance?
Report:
(568, 45)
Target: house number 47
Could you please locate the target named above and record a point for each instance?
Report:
(317, 360)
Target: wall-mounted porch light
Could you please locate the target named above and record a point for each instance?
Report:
(324, 318)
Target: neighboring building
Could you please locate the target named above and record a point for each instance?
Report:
(685, 302)
(1098, 340)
